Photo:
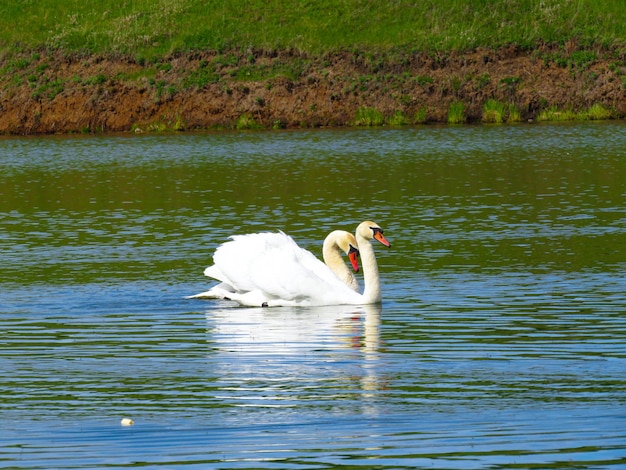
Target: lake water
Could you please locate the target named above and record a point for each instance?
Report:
(500, 341)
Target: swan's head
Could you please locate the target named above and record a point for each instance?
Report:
(346, 243)
(372, 231)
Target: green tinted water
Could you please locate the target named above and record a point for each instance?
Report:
(500, 340)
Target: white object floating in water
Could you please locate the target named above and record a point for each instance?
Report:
(127, 422)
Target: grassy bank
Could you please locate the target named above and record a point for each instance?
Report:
(153, 28)
(139, 65)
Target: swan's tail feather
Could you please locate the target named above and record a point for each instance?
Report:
(220, 291)
(201, 295)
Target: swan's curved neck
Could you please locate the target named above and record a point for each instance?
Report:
(332, 258)
(371, 292)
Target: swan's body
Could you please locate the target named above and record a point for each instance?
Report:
(262, 268)
(270, 269)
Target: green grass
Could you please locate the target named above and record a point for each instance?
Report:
(420, 116)
(515, 115)
(555, 114)
(203, 75)
(398, 119)
(368, 117)
(595, 112)
(497, 112)
(153, 28)
(493, 111)
(247, 122)
(161, 124)
(599, 112)
(456, 113)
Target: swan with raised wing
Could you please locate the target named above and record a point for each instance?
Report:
(270, 269)
(237, 263)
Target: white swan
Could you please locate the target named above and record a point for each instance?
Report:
(240, 263)
(270, 269)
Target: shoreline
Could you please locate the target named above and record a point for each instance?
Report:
(56, 93)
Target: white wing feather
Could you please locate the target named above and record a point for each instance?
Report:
(270, 268)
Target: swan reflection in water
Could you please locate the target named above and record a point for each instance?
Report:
(292, 351)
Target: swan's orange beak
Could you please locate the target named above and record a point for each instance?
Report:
(353, 254)
(378, 235)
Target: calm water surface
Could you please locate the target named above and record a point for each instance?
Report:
(500, 342)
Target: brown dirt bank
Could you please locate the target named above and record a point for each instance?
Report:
(52, 92)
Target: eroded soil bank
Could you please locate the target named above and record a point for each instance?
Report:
(53, 92)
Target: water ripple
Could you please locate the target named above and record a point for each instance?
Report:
(499, 342)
